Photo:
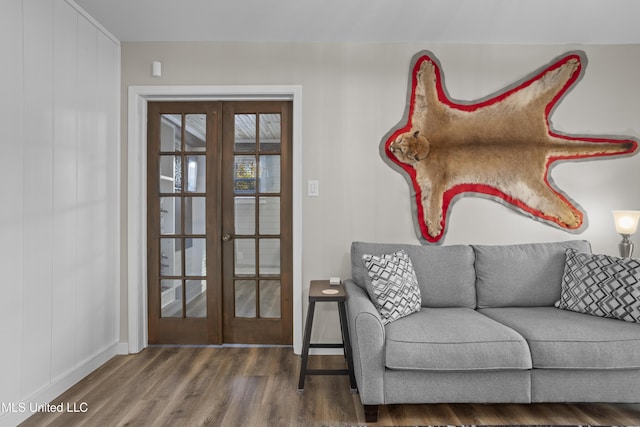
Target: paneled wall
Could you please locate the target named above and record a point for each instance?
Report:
(59, 268)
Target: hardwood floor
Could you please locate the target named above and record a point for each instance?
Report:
(231, 386)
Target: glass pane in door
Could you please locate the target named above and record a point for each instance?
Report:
(195, 258)
(170, 132)
(170, 174)
(170, 214)
(270, 128)
(245, 257)
(196, 292)
(245, 298)
(195, 220)
(171, 298)
(196, 174)
(270, 298)
(269, 174)
(269, 219)
(170, 257)
(269, 257)
(244, 174)
(245, 133)
(245, 215)
(196, 132)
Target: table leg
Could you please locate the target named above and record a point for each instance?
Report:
(346, 340)
(305, 345)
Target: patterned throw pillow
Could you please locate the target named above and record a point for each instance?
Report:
(601, 285)
(394, 287)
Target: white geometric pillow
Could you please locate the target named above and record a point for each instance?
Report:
(394, 287)
(601, 285)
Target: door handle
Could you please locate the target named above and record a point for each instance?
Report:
(227, 237)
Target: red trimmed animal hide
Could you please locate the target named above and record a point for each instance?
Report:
(502, 147)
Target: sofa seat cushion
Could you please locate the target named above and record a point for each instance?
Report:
(561, 339)
(453, 339)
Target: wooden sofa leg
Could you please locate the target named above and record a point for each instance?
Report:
(371, 413)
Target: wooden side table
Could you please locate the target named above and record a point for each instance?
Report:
(339, 295)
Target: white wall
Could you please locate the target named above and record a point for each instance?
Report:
(353, 94)
(59, 257)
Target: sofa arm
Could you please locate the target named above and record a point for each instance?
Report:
(367, 341)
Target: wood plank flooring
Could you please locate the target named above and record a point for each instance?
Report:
(231, 386)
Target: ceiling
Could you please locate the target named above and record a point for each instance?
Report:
(454, 21)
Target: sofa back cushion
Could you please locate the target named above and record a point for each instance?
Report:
(527, 275)
(445, 274)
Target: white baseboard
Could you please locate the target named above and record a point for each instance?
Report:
(123, 348)
(16, 412)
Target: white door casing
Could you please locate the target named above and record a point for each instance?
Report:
(138, 98)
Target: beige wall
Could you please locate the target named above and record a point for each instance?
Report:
(353, 94)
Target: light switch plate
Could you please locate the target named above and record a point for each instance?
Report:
(313, 188)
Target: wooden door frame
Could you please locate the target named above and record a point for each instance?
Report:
(138, 97)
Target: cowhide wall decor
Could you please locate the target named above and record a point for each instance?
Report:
(501, 147)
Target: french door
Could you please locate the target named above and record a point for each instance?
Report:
(219, 222)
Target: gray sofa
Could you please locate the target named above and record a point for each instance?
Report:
(487, 332)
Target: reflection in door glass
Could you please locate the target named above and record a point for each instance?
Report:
(270, 298)
(269, 174)
(196, 132)
(195, 256)
(245, 257)
(245, 298)
(170, 257)
(171, 298)
(270, 132)
(269, 257)
(269, 221)
(244, 174)
(195, 215)
(196, 174)
(245, 133)
(245, 215)
(170, 132)
(170, 174)
(170, 215)
(196, 291)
